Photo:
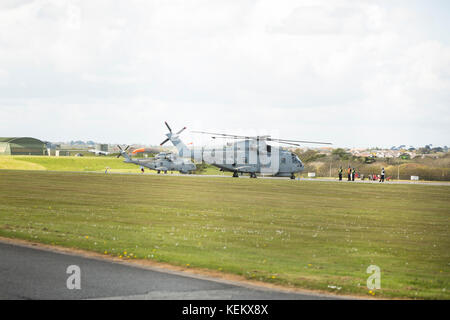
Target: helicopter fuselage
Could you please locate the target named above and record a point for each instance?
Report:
(164, 163)
(249, 156)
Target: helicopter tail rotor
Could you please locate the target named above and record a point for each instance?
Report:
(170, 134)
(122, 151)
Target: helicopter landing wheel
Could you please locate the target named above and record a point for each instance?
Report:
(159, 171)
(253, 175)
(292, 176)
(235, 174)
(165, 172)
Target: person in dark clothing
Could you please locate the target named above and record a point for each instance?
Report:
(353, 174)
(349, 172)
(382, 175)
(340, 174)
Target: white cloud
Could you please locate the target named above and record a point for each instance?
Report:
(310, 69)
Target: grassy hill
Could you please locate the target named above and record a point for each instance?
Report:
(86, 163)
(432, 168)
(66, 163)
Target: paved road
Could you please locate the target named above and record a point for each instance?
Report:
(31, 273)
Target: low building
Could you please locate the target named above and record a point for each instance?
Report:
(22, 146)
(102, 147)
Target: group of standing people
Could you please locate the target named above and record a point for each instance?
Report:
(351, 173)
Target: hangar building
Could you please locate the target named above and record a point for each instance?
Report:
(22, 146)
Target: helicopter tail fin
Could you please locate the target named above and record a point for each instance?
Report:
(183, 150)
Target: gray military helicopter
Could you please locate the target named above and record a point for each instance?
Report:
(162, 162)
(250, 154)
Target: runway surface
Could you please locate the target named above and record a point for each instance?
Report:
(32, 273)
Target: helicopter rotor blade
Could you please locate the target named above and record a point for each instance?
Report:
(296, 141)
(265, 138)
(230, 137)
(224, 135)
(120, 152)
(261, 138)
(181, 130)
(289, 143)
(258, 138)
(168, 126)
(164, 141)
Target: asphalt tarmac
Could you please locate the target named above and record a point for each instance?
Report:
(33, 273)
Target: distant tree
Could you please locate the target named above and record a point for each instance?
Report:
(437, 149)
(341, 154)
(425, 150)
(78, 142)
(308, 155)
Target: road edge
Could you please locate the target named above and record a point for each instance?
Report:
(197, 273)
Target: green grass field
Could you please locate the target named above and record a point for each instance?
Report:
(66, 163)
(312, 235)
(82, 164)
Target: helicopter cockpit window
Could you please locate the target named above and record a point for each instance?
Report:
(269, 148)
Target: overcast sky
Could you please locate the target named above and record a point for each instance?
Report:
(355, 73)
